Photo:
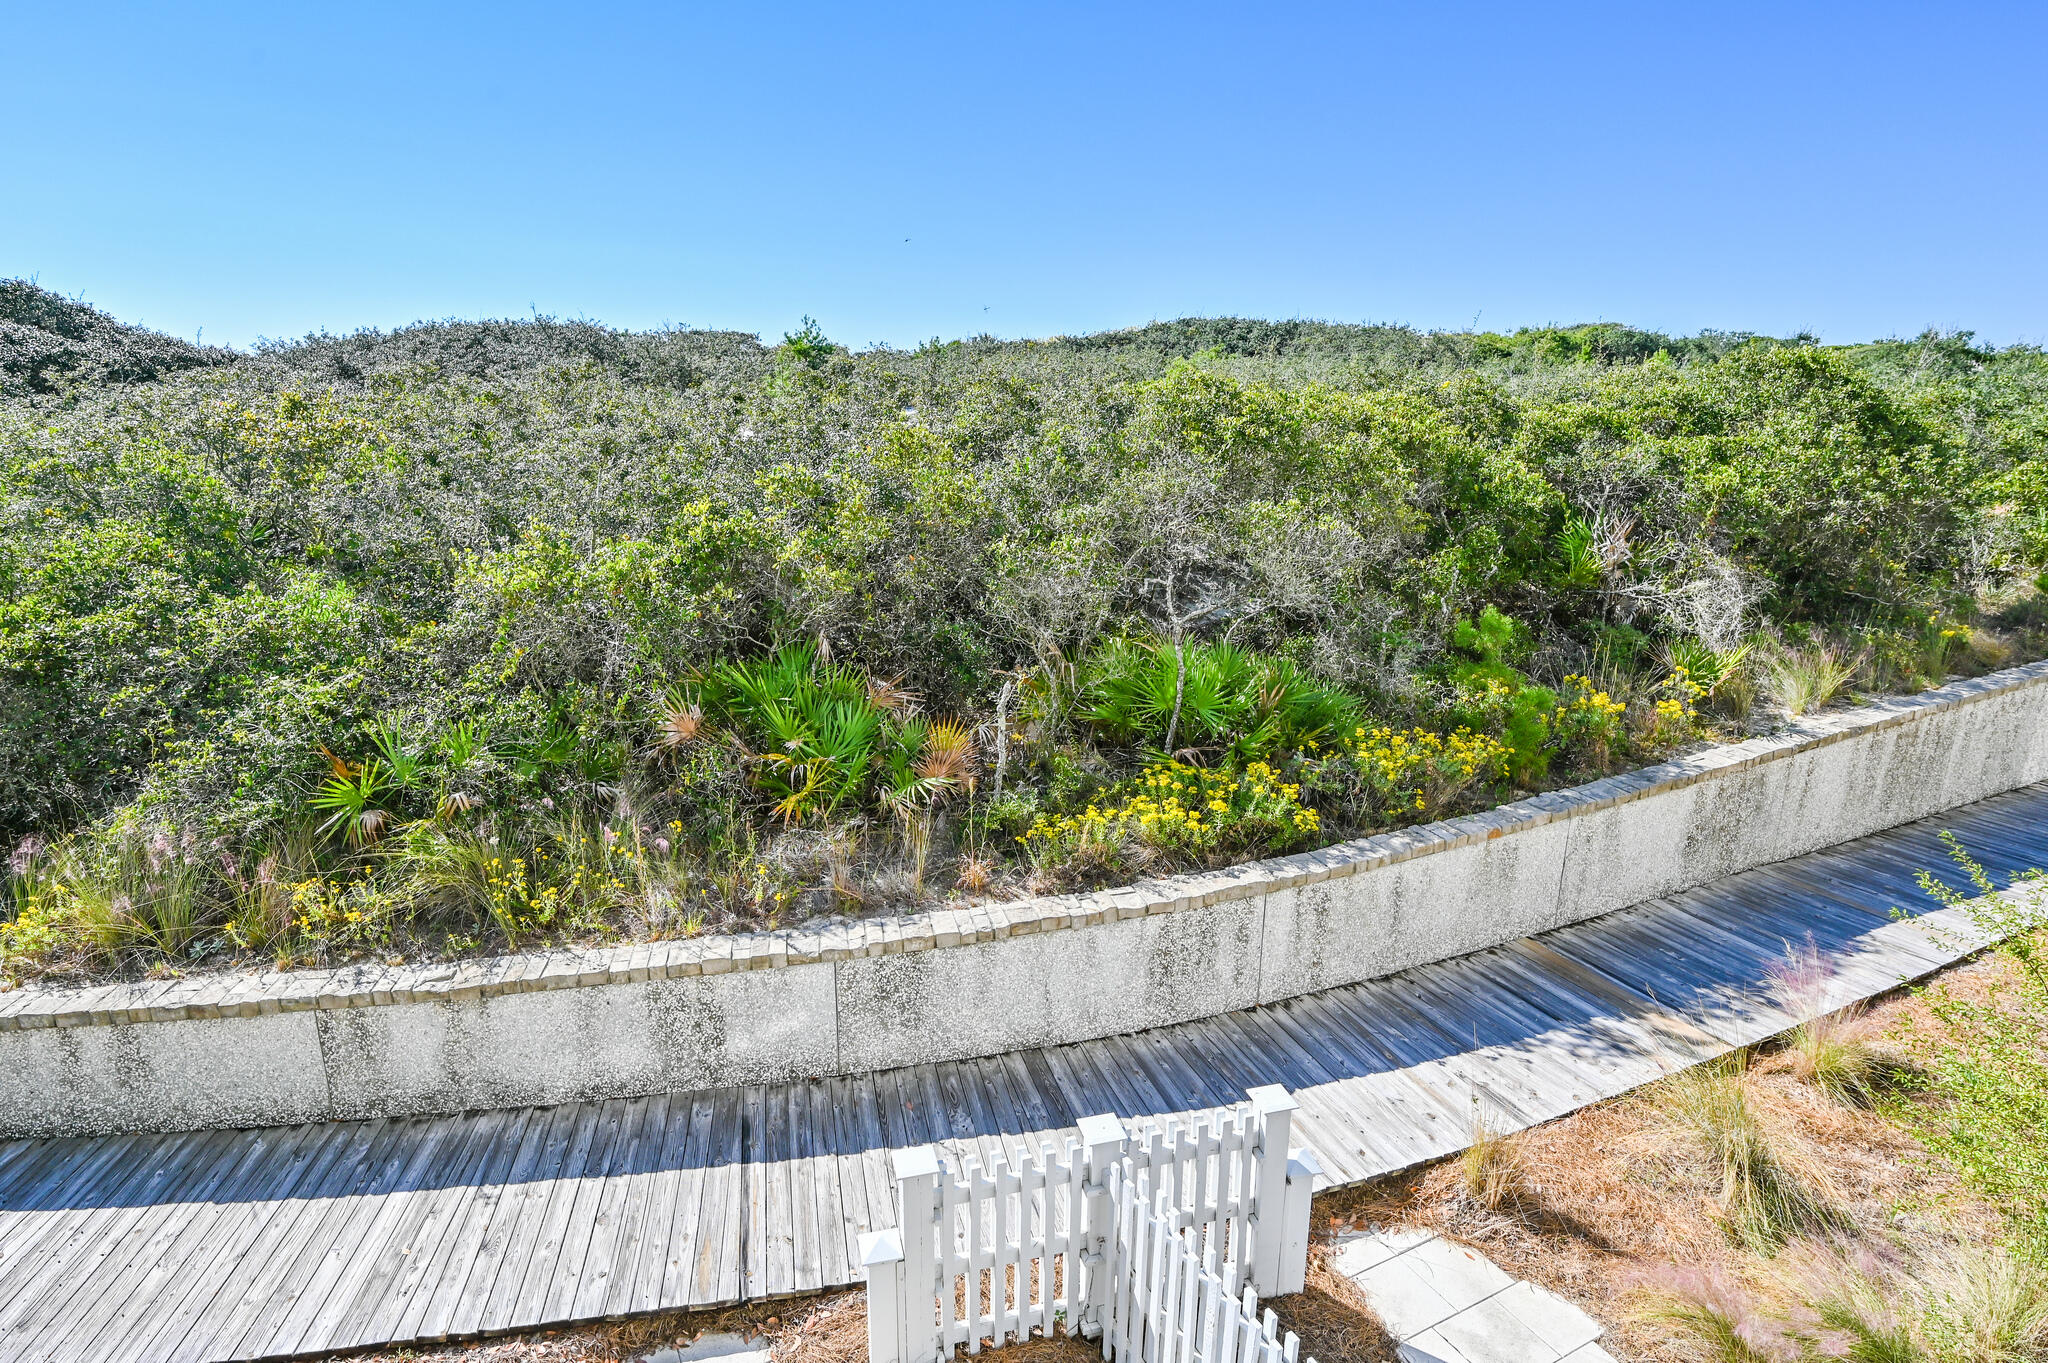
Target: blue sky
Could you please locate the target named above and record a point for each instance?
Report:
(904, 172)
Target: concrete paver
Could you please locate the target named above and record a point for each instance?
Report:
(719, 1348)
(1560, 1324)
(1356, 1252)
(1590, 1353)
(1431, 1347)
(1403, 1297)
(1448, 1303)
(1461, 1276)
(1487, 1332)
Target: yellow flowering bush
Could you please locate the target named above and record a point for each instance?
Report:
(342, 910)
(1587, 720)
(35, 924)
(38, 931)
(1183, 812)
(1675, 717)
(567, 886)
(520, 899)
(569, 883)
(1382, 773)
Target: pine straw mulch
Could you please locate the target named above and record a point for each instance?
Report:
(825, 1329)
(1606, 1200)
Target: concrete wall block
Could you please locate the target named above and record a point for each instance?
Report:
(571, 1045)
(162, 1076)
(1511, 892)
(1327, 933)
(1046, 988)
(1742, 819)
(1625, 853)
(1334, 932)
(2019, 757)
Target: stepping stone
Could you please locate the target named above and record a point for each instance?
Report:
(1358, 1251)
(1556, 1321)
(725, 1348)
(1430, 1347)
(1403, 1298)
(1447, 1303)
(1463, 1277)
(1488, 1332)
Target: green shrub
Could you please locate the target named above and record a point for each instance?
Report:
(1986, 1059)
(1492, 697)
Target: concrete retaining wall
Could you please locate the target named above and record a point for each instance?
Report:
(847, 996)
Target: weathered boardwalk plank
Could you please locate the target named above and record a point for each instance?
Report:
(217, 1246)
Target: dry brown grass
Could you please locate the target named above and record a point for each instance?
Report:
(1493, 1168)
(1332, 1319)
(827, 1329)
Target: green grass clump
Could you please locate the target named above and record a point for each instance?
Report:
(1769, 1191)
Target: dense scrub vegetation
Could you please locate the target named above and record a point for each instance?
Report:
(504, 631)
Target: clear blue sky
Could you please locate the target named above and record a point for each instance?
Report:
(901, 172)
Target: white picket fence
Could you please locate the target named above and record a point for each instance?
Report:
(1175, 1303)
(1076, 1235)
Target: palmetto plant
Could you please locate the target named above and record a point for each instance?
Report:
(948, 754)
(362, 799)
(679, 720)
(463, 748)
(352, 795)
(465, 743)
(924, 762)
(820, 737)
(403, 765)
(554, 746)
(889, 694)
(903, 788)
(1709, 666)
(1234, 705)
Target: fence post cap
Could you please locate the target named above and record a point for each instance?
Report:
(1101, 1129)
(880, 1247)
(919, 1161)
(1304, 1164)
(1271, 1098)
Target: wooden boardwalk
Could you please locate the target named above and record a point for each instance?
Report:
(229, 1245)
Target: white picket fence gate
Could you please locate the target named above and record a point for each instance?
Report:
(1155, 1238)
(1174, 1303)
